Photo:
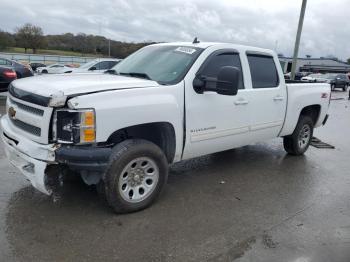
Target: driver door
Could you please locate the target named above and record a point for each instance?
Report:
(216, 122)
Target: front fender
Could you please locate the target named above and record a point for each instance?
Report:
(119, 109)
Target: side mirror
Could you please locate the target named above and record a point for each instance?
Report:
(92, 68)
(227, 81)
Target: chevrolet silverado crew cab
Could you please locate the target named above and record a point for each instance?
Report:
(163, 104)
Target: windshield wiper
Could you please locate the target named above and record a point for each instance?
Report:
(136, 74)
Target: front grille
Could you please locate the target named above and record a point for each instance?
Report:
(29, 119)
(36, 131)
(29, 109)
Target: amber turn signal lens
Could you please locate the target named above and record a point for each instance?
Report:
(89, 118)
(88, 135)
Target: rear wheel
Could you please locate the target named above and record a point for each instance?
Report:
(44, 72)
(137, 173)
(298, 142)
(332, 87)
(345, 88)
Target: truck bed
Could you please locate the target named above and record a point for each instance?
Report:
(300, 94)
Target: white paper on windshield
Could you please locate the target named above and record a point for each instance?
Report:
(186, 50)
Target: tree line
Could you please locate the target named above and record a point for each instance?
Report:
(32, 37)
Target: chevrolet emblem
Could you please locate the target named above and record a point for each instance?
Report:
(12, 112)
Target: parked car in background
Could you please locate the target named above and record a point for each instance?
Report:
(337, 81)
(21, 70)
(298, 76)
(314, 78)
(34, 66)
(54, 69)
(7, 75)
(97, 65)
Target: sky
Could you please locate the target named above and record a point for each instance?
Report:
(265, 23)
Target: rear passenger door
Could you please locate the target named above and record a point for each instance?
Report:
(268, 97)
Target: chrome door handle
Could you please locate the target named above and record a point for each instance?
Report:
(241, 102)
(278, 98)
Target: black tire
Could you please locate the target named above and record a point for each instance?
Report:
(292, 143)
(122, 157)
(332, 87)
(44, 72)
(345, 88)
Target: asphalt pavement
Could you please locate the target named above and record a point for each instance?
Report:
(254, 203)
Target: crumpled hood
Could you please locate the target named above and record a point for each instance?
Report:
(70, 84)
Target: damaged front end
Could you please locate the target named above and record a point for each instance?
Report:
(34, 169)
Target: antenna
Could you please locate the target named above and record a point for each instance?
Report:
(195, 41)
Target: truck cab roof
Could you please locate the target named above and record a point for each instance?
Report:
(206, 45)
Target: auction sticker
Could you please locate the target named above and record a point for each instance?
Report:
(187, 50)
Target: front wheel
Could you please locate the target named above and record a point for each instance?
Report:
(298, 142)
(137, 173)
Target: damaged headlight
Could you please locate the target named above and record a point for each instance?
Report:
(74, 126)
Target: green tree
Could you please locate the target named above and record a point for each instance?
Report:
(30, 36)
(6, 40)
(348, 60)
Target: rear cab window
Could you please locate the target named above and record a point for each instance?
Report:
(263, 71)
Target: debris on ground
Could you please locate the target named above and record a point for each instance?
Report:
(319, 144)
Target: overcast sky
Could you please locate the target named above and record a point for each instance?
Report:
(264, 23)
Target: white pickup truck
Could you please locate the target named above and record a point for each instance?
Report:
(163, 104)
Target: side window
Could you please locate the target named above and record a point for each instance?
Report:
(2, 61)
(213, 64)
(263, 71)
(112, 63)
(102, 65)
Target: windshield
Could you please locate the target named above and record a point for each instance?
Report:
(164, 64)
(88, 64)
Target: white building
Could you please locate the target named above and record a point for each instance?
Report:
(316, 65)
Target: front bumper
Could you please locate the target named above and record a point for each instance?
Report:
(84, 158)
(20, 152)
(33, 159)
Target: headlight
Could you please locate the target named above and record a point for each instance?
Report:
(74, 126)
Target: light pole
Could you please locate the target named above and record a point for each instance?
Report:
(297, 40)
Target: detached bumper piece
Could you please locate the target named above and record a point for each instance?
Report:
(319, 144)
(87, 158)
